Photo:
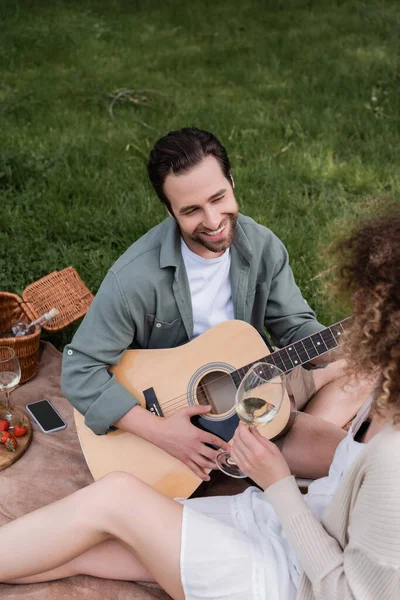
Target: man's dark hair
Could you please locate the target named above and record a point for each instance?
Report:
(180, 151)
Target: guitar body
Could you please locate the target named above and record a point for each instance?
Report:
(169, 379)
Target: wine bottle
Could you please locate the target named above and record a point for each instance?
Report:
(21, 329)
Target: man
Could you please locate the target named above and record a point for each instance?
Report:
(204, 264)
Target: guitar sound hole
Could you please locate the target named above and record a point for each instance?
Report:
(218, 390)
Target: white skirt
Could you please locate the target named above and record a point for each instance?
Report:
(233, 548)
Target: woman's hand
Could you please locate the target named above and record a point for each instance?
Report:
(257, 457)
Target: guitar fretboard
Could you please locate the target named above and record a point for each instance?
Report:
(300, 352)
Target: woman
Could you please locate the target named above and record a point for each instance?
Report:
(341, 540)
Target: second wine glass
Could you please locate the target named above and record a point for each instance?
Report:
(10, 375)
(258, 400)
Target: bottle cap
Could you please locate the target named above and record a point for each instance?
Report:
(53, 312)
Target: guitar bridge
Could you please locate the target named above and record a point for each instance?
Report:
(152, 403)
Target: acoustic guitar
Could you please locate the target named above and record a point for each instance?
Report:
(207, 370)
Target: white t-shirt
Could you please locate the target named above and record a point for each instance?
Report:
(210, 288)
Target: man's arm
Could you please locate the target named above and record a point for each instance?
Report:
(105, 333)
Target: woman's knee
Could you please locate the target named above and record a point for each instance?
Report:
(103, 495)
(101, 502)
(118, 482)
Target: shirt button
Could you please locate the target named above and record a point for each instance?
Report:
(69, 352)
(158, 325)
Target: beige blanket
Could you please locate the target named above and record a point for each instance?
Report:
(52, 467)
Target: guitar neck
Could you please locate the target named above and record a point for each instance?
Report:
(302, 351)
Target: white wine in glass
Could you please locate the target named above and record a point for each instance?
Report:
(10, 375)
(258, 400)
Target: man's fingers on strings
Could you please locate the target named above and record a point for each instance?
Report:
(197, 409)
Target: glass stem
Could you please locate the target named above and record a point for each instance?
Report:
(8, 406)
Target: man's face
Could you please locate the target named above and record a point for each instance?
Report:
(204, 206)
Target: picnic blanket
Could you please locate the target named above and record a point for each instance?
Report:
(53, 467)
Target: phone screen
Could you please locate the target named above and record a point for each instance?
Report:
(46, 415)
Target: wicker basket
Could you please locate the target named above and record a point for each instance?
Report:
(64, 290)
(27, 347)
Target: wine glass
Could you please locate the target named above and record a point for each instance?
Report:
(258, 400)
(10, 375)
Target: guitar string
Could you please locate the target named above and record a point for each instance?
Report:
(201, 388)
(177, 400)
(171, 408)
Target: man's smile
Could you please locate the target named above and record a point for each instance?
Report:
(215, 234)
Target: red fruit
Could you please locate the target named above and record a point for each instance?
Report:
(4, 436)
(4, 425)
(11, 444)
(20, 429)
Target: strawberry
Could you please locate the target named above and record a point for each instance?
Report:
(20, 429)
(11, 443)
(4, 437)
(4, 425)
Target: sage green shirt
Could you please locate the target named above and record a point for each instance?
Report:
(144, 302)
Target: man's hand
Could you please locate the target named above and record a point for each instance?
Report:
(179, 437)
(176, 435)
(257, 457)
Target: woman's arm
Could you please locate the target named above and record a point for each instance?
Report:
(365, 565)
(331, 572)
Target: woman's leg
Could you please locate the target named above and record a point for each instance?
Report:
(108, 560)
(310, 445)
(337, 398)
(120, 507)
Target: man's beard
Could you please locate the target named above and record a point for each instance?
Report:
(220, 245)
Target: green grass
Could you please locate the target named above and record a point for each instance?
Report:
(304, 94)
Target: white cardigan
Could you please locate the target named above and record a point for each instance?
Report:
(354, 553)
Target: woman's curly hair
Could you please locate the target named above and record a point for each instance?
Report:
(369, 269)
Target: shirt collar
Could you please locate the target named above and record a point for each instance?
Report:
(241, 242)
(170, 252)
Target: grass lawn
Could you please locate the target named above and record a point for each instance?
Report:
(304, 94)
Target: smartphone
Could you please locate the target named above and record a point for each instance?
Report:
(46, 416)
